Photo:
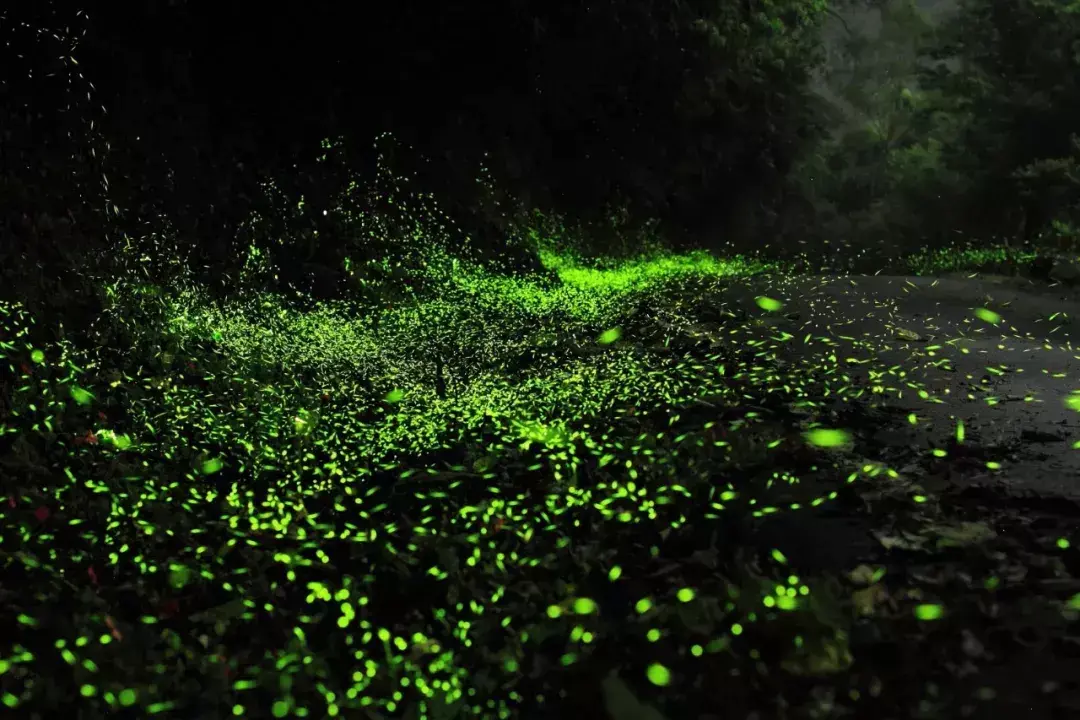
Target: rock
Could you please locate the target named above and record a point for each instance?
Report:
(1066, 270)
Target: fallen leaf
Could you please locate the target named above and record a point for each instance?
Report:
(828, 657)
(904, 541)
(904, 334)
(867, 599)
(862, 575)
(959, 535)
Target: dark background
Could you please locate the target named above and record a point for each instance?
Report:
(579, 104)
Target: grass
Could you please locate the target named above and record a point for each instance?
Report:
(498, 496)
(999, 259)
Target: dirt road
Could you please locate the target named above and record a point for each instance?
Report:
(1010, 379)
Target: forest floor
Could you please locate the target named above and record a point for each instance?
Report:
(671, 489)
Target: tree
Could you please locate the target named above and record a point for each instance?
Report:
(878, 181)
(1018, 87)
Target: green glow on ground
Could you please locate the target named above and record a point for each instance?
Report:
(408, 504)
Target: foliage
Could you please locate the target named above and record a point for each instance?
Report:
(963, 128)
(1017, 84)
(879, 183)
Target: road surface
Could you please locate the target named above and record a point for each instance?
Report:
(1030, 350)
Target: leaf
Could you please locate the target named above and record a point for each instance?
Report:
(395, 396)
(903, 334)
(959, 535)
(621, 703)
(867, 599)
(904, 541)
(824, 657)
(864, 575)
(988, 316)
(483, 464)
